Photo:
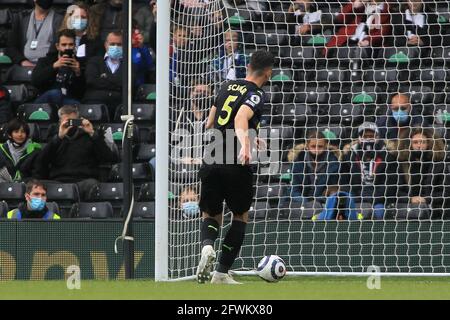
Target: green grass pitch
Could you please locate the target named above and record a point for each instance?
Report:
(312, 288)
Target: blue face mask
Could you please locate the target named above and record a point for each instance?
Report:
(400, 116)
(79, 24)
(115, 52)
(190, 209)
(37, 204)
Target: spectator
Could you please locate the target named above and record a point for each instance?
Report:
(35, 206)
(417, 25)
(315, 171)
(189, 199)
(415, 173)
(363, 165)
(146, 18)
(189, 124)
(75, 154)
(104, 75)
(400, 117)
(105, 18)
(304, 21)
(178, 53)
(87, 44)
(33, 34)
(18, 154)
(231, 64)
(142, 59)
(365, 23)
(58, 76)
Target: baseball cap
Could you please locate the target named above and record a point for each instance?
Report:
(368, 126)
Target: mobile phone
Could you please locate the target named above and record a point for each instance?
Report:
(74, 123)
(68, 53)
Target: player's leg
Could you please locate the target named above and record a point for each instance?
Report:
(211, 204)
(239, 196)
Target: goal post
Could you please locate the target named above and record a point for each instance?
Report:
(318, 83)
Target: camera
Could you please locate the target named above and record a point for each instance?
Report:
(68, 53)
(74, 123)
(65, 74)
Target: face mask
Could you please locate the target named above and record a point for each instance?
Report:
(400, 116)
(420, 155)
(115, 52)
(44, 4)
(190, 209)
(79, 24)
(37, 204)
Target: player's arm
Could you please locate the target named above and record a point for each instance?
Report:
(212, 114)
(244, 114)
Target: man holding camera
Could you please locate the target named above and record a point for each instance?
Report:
(58, 76)
(76, 153)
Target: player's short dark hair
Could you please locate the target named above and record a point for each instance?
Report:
(261, 60)
(68, 33)
(16, 124)
(32, 184)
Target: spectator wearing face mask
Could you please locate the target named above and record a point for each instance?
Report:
(105, 17)
(104, 75)
(189, 199)
(75, 154)
(18, 154)
(35, 205)
(400, 117)
(416, 172)
(315, 170)
(87, 44)
(33, 34)
(363, 165)
(188, 125)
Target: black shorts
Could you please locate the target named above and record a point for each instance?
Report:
(232, 183)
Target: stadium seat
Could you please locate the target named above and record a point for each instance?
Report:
(111, 192)
(19, 75)
(346, 114)
(3, 209)
(92, 210)
(146, 93)
(383, 76)
(146, 152)
(145, 210)
(272, 94)
(303, 210)
(143, 112)
(418, 94)
(184, 172)
(310, 95)
(290, 114)
(142, 172)
(146, 192)
(12, 192)
(37, 112)
(20, 93)
(258, 210)
(95, 113)
(65, 194)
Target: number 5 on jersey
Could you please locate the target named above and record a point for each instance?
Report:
(228, 109)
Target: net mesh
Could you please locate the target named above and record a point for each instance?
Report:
(344, 70)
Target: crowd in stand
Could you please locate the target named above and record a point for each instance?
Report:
(396, 159)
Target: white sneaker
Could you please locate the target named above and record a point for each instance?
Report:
(206, 263)
(223, 278)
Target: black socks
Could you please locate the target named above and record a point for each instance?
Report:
(231, 245)
(209, 231)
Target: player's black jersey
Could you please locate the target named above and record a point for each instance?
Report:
(231, 96)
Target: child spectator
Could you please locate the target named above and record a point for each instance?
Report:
(18, 154)
(315, 170)
(231, 64)
(189, 199)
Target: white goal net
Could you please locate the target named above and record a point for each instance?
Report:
(355, 116)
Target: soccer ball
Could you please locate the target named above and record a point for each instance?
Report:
(271, 268)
